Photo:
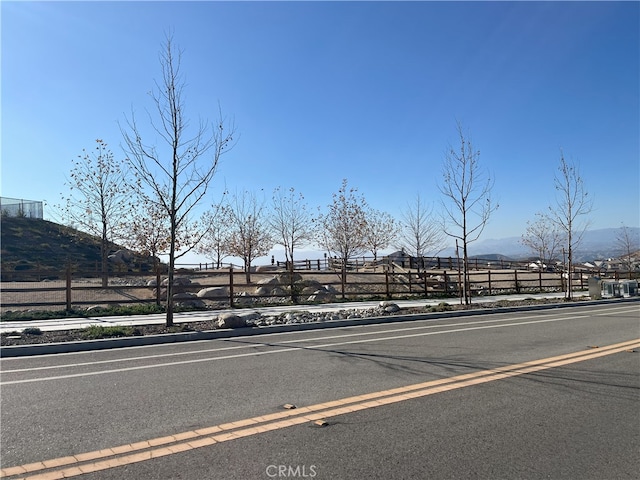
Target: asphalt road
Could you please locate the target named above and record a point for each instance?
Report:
(531, 395)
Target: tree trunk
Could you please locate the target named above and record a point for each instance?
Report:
(104, 263)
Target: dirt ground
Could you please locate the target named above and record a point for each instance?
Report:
(87, 292)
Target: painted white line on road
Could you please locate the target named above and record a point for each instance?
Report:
(284, 350)
(252, 342)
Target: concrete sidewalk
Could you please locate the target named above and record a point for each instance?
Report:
(198, 316)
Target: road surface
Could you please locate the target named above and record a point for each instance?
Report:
(531, 394)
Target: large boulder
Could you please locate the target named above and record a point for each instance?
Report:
(214, 293)
(285, 278)
(310, 286)
(268, 281)
(249, 317)
(321, 296)
(177, 281)
(187, 299)
(181, 284)
(263, 291)
(279, 292)
(231, 320)
(389, 307)
(267, 268)
(121, 257)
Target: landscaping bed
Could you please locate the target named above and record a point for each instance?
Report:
(30, 336)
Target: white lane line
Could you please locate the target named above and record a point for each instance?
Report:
(253, 343)
(283, 350)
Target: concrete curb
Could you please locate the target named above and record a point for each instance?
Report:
(109, 343)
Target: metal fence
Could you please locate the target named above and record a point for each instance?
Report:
(14, 207)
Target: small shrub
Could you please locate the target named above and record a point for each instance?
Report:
(95, 332)
(32, 331)
(441, 307)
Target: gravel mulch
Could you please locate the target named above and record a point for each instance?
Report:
(26, 338)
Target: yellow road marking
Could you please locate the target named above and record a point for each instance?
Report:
(158, 447)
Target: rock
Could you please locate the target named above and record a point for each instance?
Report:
(231, 320)
(214, 293)
(268, 281)
(321, 296)
(121, 257)
(249, 317)
(267, 268)
(285, 278)
(243, 298)
(182, 281)
(389, 307)
(192, 303)
(392, 308)
(263, 291)
(185, 296)
(279, 292)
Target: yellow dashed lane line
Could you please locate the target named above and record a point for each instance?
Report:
(98, 460)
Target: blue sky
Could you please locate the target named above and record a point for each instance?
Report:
(321, 91)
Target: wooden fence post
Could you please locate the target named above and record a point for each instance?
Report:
(231, 286)
(158, 283)
(386, 281)
(489, 279)
(426, 293)
(68, 287)
(540, 278)
(515, 276)
(446, 282)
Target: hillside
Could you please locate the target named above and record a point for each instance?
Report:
(29, 244)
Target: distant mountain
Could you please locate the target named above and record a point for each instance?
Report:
(595, 245)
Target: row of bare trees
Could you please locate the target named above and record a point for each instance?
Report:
(150, 200)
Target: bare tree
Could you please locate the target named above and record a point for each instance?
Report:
(420, 233)
(178, 171)
(215, 243)
(149, 232)
(341, 231)
(381, 231)
(250, 236)
(543, 238)
(99, 198)
(572, 205)
(467, 204)
(290, 221)
(628, 245)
